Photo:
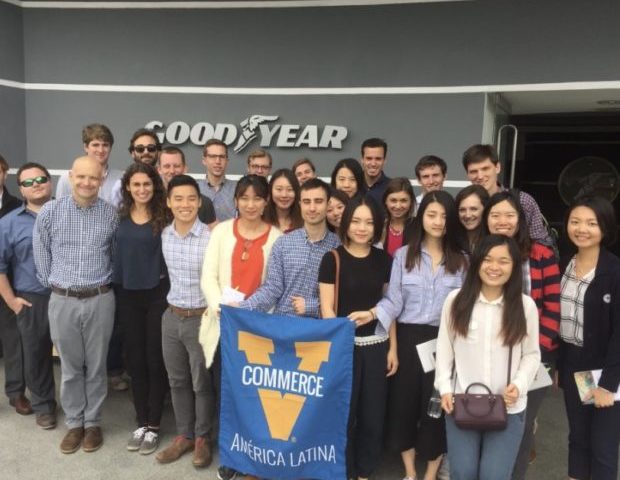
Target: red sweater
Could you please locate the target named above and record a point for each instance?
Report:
(545, 277)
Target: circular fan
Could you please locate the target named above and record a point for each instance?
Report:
(592, 175)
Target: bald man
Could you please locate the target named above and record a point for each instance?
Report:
(72, 243)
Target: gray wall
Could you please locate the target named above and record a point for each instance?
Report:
(435, 44)
(12, 113)
(402, 121)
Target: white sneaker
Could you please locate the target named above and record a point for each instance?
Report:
(150, 443)
(136, 439)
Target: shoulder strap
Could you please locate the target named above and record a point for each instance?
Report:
(337, 280)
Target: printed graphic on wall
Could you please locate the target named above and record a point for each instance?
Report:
(285, 394)
(264, 128)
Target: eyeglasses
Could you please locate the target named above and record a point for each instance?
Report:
(142, 148)
(257, 166)
(211, 156)
(29, 182)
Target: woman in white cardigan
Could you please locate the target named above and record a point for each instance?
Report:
(235, 262)
(484, 326)
(234, 266)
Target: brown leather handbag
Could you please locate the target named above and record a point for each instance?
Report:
(481, 411)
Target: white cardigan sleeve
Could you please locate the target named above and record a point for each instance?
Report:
(530, 349)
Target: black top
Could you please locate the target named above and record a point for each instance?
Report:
(361, 282)
(601, 322)
(206, 212)
(9, 203)
(138, 261)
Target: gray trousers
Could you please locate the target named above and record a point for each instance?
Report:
(192, 386)
(14, 382)
(81, 330)
(34, 329)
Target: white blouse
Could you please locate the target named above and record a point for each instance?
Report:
(481, 356)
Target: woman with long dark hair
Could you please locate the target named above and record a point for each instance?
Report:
(488, 334)
(470, 203)
(363, 274)
(590, 339)
(235, 262)
(348, 176)
(503, 215)
(424, 272)
(141, 288)
(282, 209)
(399, 204)
(338, 200)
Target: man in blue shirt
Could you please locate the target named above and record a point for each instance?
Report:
(291, 284)
(216, 186)
(73, 249)
(25, 295)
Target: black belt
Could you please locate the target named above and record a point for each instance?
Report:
(90, 292)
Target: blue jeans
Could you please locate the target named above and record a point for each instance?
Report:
(484, 455)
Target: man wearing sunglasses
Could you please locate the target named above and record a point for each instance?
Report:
(14, 383)
(24, 294)
(98, 141)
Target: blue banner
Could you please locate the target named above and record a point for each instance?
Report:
(286, 387)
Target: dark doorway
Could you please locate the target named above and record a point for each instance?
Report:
(546, 144)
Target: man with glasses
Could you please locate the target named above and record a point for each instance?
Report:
(24, 294)
(98, 141)
(259, 163)
(215, 186)
(14, 383)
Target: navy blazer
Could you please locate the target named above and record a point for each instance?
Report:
(601, 321)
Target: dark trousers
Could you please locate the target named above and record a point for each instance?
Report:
(594, 433)
(14, 380)
(534, 401)
(140, 313)
(410, 389)
(115, 364)
(34, 329)
(367, 409)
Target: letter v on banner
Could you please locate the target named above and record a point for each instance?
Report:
(286, 387)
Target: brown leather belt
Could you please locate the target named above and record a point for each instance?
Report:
(88, 293)
(187, 312)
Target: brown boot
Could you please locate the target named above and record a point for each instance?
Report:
(73, 439)
(93, 439)
(179, 446)
(202, 453)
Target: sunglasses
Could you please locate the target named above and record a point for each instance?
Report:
(29, 182)
(148, 148)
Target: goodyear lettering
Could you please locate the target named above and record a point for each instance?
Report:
(280, 135)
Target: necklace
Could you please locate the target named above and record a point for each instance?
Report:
(394, 231)
(245, 254)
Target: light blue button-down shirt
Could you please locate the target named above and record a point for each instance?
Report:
(293, 270)
(184, 257)
(16, 253)
(73, 245)
(416, 296)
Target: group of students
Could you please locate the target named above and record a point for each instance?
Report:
(466, 271)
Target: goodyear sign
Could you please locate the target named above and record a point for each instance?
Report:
(286, 386)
